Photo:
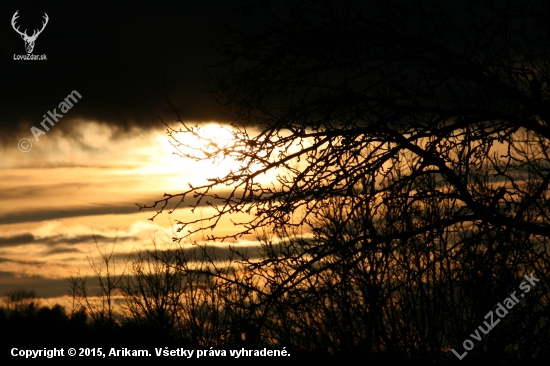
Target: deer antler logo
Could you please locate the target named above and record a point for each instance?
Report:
(29, 41)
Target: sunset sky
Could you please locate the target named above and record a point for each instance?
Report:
(109, 151)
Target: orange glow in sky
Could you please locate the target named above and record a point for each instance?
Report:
(70, 187)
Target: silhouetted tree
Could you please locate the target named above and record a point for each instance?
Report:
(366, 100)
(405, 135)
(21, 301)
(101, 305)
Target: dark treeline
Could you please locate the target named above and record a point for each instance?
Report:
(412, 301)
(27, 322)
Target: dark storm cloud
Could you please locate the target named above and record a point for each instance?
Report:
(217, 253)
(46, 287)
(37, 263)
(59, 240)
(62, 249)
(116, 55)
(112, 208)
(11, 241)
(36, 215)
